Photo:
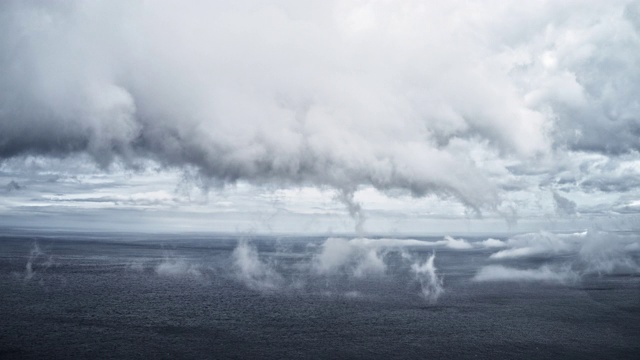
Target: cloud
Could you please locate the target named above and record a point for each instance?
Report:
(453, 99)
(588, 252)
(563, 205)
(543, 274)
(537, 244)
(457, 244)
(13, 186)
(360, 257)
(233, 92)
(335, 260)
(177, 268)
(365, 255)
(628, 207)
(609, 253)
(256, 273)
(430, 282)
(37, 263)
(493, 243)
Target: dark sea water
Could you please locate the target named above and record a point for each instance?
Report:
(89, 296)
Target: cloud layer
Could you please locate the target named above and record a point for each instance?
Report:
(567, 257)
(425, 97)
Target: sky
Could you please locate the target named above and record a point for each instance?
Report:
(283, 116)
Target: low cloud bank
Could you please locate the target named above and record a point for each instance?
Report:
(569, 256)
(544, 273)
(340, 258)
(538, 244)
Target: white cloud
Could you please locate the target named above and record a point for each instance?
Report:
(588, 252)
(336, 258)
(543, 274)
(537, 244)
(493, 243)
(253, 271)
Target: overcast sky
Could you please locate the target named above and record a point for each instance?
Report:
(320, 116)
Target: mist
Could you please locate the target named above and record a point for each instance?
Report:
(567, 258)
(339, 265)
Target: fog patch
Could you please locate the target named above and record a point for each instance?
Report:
(537, 244)
(604, 253)
(456, 244)
(431, 284)
(358, 257)
(363, 256)
(575, 255)
(37, 263)
(545, 273)
(254, 272)
(135, 266)
(340, 262)
(177, 268)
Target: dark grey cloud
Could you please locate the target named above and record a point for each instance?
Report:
(12, 186)
(612, 183)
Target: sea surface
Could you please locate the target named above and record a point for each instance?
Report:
(217, 297)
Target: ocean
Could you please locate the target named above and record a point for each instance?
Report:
(121, 296)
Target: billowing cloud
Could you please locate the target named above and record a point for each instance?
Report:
(463, 100)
